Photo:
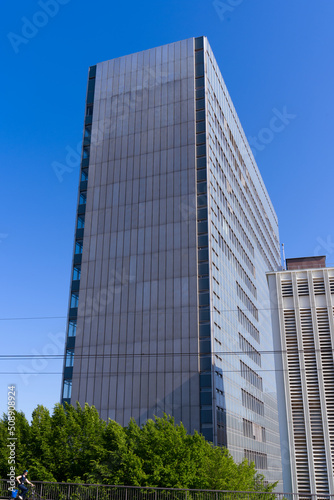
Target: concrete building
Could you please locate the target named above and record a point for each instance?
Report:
(175, 233)
(303, 328)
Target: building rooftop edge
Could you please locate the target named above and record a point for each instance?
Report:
(299, 270)
(149, 48)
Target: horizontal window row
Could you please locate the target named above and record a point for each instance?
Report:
(229, 234)
(247, 302)
(248, 349)
(252, 403)
(248, 325)
(236, 199)
(251, 207)
(257, 204)
(259, 459)
(254, 431)
(222, 165)
(251, 376)
(223, 246)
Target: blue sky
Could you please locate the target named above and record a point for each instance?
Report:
(275, 57)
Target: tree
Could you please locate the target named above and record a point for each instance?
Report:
(77, 437)
(119, 464)
(162, 454)
(75, 444)
(39, 454)
(22, 435)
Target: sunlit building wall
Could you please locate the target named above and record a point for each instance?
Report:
(169, 309)
(303, 327)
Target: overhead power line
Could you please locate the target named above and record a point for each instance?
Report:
(33, 317)
(101, 310)
(130, 372)
(20, 357)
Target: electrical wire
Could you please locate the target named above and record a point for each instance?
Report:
(161, 311)
(127, 373)
(11, 357)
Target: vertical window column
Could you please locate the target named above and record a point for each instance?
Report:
(206, 418)
(78, 244)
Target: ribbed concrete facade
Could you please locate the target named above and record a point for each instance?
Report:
(303, 327)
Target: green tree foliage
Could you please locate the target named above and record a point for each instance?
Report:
(74, 444)
(22, 435)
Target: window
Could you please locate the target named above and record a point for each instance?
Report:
(81, 222)
(259, 459)
(76, 273)
(72, 328)
(251, 376)
(82, 198)
(85, 152)
(247, 348)
(84, 174)
(69, 357)
(92, 71)
(67, 389)
(89, 110)
(252, 403)
(74, 300)
(78, 246)
(88, 131)
(87, 135)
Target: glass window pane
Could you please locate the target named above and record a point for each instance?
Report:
(199, 82)
(74, 300)
(84, 175)
(69, 357)
(81, 222)
(76, 273)
(72, 328)
(78, 246)
(85, 154)
(67, 389)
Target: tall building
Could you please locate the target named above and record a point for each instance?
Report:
(303, 328)
(175, 233)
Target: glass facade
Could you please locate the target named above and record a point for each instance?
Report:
(175, 233)
(78, 244)
(243, 244)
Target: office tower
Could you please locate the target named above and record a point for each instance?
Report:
(175, 232)
(303, 329)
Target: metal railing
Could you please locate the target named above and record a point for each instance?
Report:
(75, 491)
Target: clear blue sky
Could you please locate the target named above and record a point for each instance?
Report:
(275, 57)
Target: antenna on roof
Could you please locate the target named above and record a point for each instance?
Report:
(283, 254)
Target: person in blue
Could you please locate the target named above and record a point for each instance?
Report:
(23, 479)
